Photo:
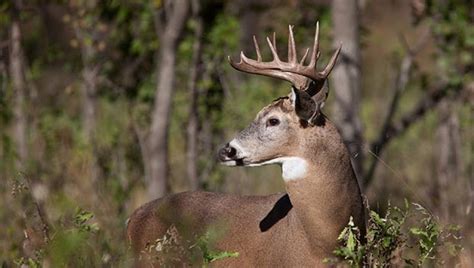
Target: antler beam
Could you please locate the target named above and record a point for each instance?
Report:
(295, 72)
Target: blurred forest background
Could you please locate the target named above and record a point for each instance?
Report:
(105, 105)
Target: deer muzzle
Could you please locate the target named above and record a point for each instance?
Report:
(230, 155)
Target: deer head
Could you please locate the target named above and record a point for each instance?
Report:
(278, 130)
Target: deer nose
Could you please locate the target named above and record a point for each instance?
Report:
(227, 153)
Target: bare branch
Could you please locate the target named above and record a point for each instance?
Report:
(424, 105)
(401, 81)
(395, 129)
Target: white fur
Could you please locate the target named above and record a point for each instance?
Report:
(229, 163)
(293, 97)
(293, 168)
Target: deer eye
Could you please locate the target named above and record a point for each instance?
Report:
(273, 122)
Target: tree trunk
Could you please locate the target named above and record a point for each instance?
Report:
(89, 114)
(89, 101)
(449, 160)
(17, 74)
(3, 120)
(158, 135)
(89, 88)
(193, 117)
(346, 78)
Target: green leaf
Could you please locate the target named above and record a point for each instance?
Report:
(376, 217)
(342, 235)
(351, 244)
(214, 256)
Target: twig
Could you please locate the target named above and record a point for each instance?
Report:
(44, 222)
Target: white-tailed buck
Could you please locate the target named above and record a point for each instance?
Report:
(294, 229)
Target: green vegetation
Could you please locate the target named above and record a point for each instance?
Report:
(211, 255)
(409, 236)
(66, 201)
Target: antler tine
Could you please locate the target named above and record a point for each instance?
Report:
(315, 52)
(274, 41)
(257, 49)
(291, 46)
(273, 49)
(304, 56)
(331, 63)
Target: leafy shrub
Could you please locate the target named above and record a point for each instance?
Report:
(410, 236)
(173, 249)
(67, 243)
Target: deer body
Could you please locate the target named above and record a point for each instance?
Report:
(243, 233)
(295, 229)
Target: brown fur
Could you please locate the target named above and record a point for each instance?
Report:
(274, 230)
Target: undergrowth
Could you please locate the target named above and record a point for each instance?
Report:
(410, 236)
(174, 250)
(406, 237)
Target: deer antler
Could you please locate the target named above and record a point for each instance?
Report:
(292, 71)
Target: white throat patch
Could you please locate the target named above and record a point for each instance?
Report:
(293, 168)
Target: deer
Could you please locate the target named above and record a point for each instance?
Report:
(297, 228)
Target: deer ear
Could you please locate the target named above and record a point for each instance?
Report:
(305, 107)
(320, 97)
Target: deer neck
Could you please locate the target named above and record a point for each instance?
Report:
(323, 190)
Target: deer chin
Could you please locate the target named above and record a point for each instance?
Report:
(233, 162)
(293, 167)
(244, 161)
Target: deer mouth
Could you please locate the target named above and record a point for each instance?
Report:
(231, 159)
(245, 161)
(234, 162)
